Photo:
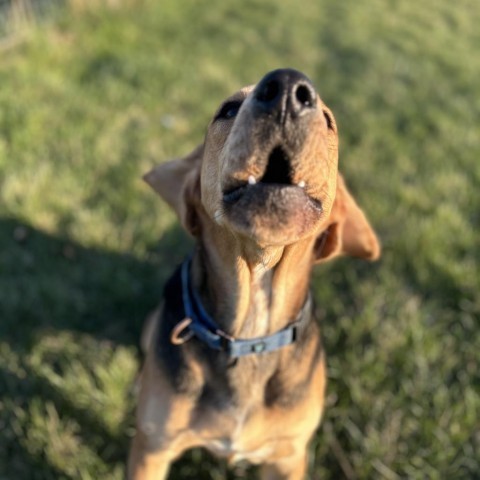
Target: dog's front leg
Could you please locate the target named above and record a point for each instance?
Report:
(163, 431)
(146, 465)
(291, 468)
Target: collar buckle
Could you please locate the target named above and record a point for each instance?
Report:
(258, 347)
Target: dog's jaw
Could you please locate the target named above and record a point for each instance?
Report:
(273, 214)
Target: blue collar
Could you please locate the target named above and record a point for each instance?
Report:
(208, 332)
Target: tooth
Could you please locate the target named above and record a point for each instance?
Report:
(251, 180)
(301, 184)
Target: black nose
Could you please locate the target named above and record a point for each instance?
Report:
(285, 91)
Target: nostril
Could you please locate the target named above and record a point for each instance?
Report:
(304, 96)
(268, 92)
(285, 93)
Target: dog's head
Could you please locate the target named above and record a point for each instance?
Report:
(267, 172)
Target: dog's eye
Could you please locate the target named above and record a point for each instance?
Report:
(229, 110)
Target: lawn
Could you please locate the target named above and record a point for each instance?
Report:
(92, 96)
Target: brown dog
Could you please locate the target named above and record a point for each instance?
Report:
(233, 357)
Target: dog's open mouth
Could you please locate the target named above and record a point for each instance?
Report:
(273, 209)
(276, 181)
(278, 169)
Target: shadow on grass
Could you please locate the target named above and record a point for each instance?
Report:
(50, 285)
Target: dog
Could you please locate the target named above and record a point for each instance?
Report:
(234, 361)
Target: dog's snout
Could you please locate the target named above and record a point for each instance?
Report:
(285, 91)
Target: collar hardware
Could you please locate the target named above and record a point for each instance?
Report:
(176, 336)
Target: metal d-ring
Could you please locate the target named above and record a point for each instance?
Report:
(176, 338)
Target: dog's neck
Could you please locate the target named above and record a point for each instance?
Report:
(248, 290)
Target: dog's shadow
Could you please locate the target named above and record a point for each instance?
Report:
(52, 287)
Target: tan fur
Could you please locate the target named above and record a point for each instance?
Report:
(252, 274)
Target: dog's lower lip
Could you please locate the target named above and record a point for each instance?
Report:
(231, 196)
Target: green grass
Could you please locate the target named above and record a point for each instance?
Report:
(91, 99)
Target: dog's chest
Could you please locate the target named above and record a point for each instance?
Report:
(236, 451)
(247, 438)
(234, 420)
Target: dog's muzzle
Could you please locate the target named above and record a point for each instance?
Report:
(284, 94)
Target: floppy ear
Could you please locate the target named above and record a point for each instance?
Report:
(348, 231)
(178, 183)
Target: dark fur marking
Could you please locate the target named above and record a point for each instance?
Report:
(172, 357)
(281, 390)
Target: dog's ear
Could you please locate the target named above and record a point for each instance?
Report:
(178, 183)
(348, 231)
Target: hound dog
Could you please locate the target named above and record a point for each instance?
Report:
(234, 361)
